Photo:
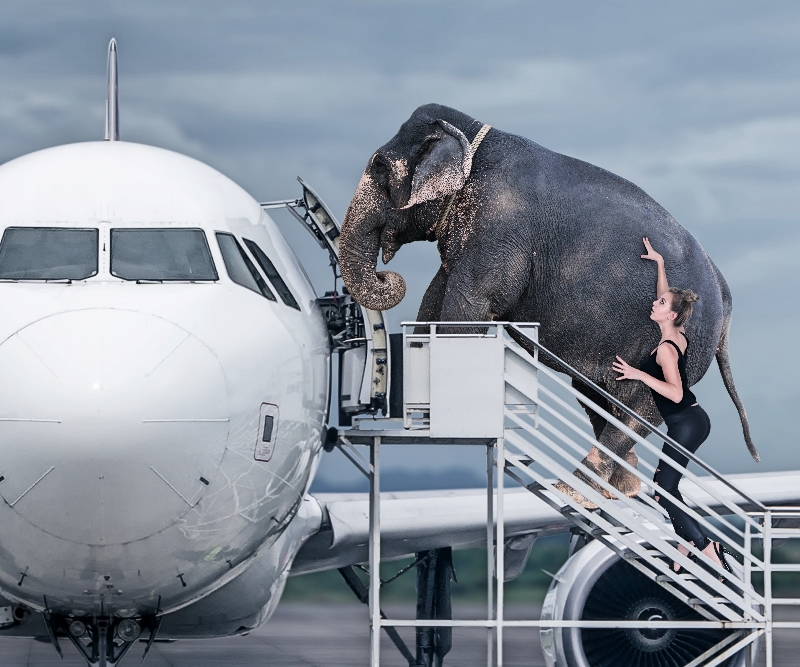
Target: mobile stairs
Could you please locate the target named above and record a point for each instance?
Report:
(494, 384)
(471, 381)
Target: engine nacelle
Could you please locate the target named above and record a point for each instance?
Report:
(596, 584)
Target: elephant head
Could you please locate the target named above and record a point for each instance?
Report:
(399, 198)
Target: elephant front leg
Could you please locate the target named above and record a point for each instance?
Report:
(430, 310)
(481, 291)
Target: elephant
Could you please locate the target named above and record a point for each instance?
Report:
(526, 234)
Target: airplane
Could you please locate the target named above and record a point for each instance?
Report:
(166, 398)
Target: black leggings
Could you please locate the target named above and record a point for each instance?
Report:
(689, 427)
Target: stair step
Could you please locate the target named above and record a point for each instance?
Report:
(600, 532)
(699, 602)
(523, 409)
(651, 553)
(664, 579)
(524, 460)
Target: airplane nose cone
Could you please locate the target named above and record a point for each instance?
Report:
(118, 411)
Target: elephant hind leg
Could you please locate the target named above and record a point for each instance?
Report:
(621, 445)
(598, 423)
(595, 460)
(600, 463)
(622, 480)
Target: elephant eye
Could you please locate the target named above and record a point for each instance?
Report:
(378, 163)
(426, 144)
(380, 170)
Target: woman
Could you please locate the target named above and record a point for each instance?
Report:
(664, 371)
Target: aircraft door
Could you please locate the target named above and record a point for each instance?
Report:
(359, 335)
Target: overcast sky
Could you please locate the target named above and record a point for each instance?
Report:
(698, 103)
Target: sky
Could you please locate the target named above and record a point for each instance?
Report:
(697, 103)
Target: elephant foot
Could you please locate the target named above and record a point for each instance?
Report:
(579, 498)
(602, 466)
(599, 463)
(625, 482)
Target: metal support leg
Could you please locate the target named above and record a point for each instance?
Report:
(500, 542)
(768, 583)
(748, 582)
(490, 553)
(434, 576)
(375, 554)
(362, 593)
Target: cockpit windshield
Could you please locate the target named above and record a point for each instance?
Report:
(48, 253)
(161, 254)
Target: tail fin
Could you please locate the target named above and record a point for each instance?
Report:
(727, 378)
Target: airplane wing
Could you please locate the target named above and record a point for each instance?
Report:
(421, 520)
(414, 521)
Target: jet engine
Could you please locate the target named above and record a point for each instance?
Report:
(596, 584)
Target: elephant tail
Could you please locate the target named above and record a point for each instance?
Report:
(727, 377)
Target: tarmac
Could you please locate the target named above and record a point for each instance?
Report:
(321, 635)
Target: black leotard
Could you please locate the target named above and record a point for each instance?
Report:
(665, 406)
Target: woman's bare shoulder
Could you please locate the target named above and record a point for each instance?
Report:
(666, 353)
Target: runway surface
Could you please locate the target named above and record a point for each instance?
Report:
(322, 635)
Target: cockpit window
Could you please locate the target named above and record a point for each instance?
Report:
(240, 269)
(272, 273)
(48, 253)
(161, 254)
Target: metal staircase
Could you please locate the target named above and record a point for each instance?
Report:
(637, 529)
(543, 437)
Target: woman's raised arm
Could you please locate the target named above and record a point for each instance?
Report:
(661, 285)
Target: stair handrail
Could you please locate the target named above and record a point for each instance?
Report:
(632, 413)
(700, 505)
(653, 536)
(701, 483)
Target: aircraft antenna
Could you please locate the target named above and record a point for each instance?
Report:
(112, 95)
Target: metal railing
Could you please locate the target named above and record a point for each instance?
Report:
(713, 592)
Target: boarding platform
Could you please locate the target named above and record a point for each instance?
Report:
(493, 385)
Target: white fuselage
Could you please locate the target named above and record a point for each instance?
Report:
(132, 413)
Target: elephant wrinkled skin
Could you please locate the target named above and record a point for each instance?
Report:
(534, 236)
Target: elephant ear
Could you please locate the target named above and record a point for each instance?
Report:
(445, 168)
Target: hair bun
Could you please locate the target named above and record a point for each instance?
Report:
(690, 296)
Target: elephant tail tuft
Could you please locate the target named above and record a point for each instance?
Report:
(727, 377)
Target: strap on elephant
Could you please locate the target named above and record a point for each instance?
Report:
(473, 147)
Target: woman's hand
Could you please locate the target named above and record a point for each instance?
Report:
(651, 254)
(627, 371)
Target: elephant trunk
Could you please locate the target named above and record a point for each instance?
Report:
(359, 245)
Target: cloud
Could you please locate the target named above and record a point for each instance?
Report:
(765, 263)
(735, 172)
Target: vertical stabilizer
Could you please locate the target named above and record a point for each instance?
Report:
(112, 95)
